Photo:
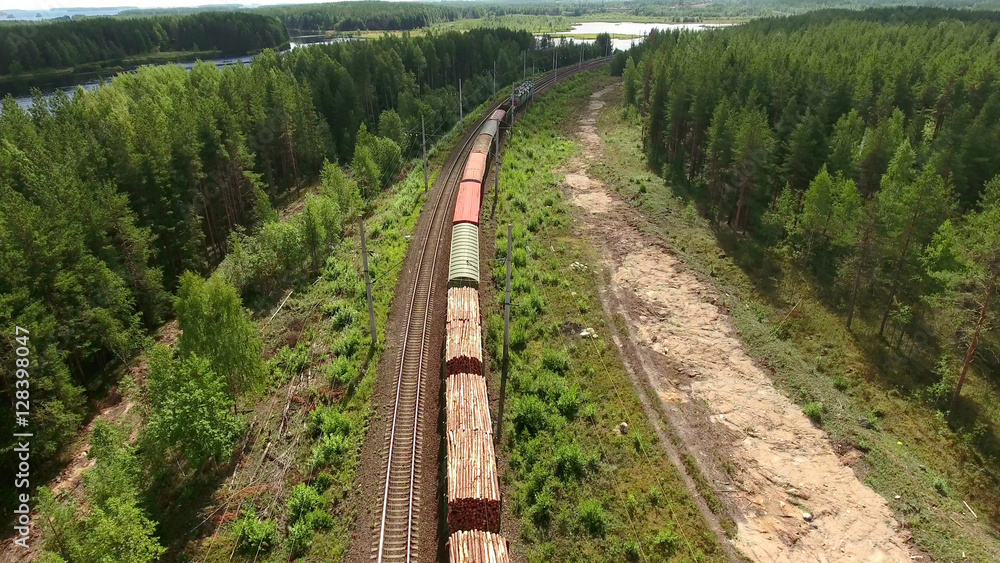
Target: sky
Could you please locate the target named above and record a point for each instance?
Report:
(57, 4)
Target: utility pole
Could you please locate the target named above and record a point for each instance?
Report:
(368, 280)
(494, 78)
(423, 145)
(555, 63)
(506, 337)
(524, 65)
(461, 110)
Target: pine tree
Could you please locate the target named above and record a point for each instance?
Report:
(913, 205)
(754, 146)
(966, 264)
(806, 152)
(718, 166)
(845, 142)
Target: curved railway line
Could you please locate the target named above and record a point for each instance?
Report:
(397, 536)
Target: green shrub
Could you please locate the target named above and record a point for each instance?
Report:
(330, 449)
(841, 383)
(557, 361)
(520, 257)
(640, 443)
(280, 254)
(322, 481)
(520, 284)
(494, 335)
(303, 500)
(300, 537)
(530, 414)
(328, 421)
(814, 411)
(570, 462)
(254, 535)
(292, 361)
(941, 486)
(350, 342)
(341, 370)
(537, 221)
(592, 517)
(632, 550)
(343, 318)
(535, 305)
(667, 541)
(569, 402)
(541, 510)
(320, 519)
(519, 335)
(655, 496)
(545, 385)
(939, 394)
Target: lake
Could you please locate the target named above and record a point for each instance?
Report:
(630, 28)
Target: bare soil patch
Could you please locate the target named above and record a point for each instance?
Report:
(794, 496)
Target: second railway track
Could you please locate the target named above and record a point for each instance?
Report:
(400, 506)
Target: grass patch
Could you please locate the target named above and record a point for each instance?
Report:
(581, 490)
(831, 373)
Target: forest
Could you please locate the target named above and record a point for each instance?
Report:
(364, 15)
(861, 149)
(32, 47)
(117, 201)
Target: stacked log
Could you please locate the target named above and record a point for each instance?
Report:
(468, 405)
(476, 546)
(463, 304)
(473, 489)
(464, 347)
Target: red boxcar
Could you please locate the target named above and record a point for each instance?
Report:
(468, 202)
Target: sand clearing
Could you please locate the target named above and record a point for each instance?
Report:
(796, 499)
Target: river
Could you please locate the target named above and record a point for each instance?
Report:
(92, 80)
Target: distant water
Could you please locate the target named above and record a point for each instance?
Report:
(54, 13)
(92, 80)
(630, 28)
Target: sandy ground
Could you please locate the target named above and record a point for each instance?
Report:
(794, 498)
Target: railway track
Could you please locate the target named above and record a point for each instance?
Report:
(397, 538)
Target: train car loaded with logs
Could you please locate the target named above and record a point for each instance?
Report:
(473, 488)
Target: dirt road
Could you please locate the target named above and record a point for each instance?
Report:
(794, 498)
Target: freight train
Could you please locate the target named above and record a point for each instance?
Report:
(473, 487)
(463, 268)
